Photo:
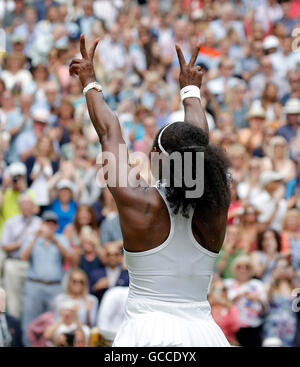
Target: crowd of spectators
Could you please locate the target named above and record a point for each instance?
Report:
(61, 245)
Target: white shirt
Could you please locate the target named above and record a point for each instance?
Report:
(22, 76)
(112, 275)
(19, 228)
(40, 184)
(111, 54)
(265, 203)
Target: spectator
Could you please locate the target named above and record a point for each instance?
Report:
(68, 330)
(89, 255)
(270, 201)
(40, 167)
(230, 251)
(267, 254)
(277, 159)
(84, 216)
(292, 110)
(45, 252)
(16, 185)
(110, 229)
(223, 311)
(250, 229)
(112, 274)
(15, 231)
(249, 296)
(77, 290)
(281, 320)
(64, 205)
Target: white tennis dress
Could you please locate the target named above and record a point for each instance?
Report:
(167, 304)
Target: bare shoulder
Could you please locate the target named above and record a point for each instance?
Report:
(209, 228)
(145, 212)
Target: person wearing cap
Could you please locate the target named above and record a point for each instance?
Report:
(292, 111)
(271, 46)
(270, 201)
(64, 205)
(16, 177)
(15, 231)
(45, 251)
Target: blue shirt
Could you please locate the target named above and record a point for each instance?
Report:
(287, 131)
(64, 217)
(46, 260)
(110, 229)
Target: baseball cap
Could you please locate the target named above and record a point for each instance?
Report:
(270, 176)
(41, 115)
(17, 169)
(65, 184)
(49, 215)
(270, 42)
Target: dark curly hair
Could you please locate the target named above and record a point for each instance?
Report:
(184, 137)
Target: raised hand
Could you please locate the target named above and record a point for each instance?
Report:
(189, 75)
(84, 67)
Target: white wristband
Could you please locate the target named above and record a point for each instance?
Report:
(92, 85)
(190, 91)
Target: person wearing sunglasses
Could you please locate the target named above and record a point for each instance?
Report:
(77, 289)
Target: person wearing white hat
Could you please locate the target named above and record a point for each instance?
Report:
(251, 137)
(270, 44)
(26, 145)
(64, 205)
(292, 111)
(270, 201)
(9, 207)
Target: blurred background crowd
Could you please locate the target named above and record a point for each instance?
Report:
(61, 244)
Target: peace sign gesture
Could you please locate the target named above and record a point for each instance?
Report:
(189, 75)
(84, 67)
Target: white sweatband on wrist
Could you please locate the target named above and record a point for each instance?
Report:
(190, 91)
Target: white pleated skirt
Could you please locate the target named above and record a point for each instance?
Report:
(165, 324)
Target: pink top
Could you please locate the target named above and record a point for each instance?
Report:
(227, 319)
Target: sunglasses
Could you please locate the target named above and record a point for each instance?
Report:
(242, 266)
(78, 281)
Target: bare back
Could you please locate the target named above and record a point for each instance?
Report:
(145, 223)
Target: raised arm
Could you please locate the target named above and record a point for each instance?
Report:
(190, 75)
(102, 117)
(104, 120)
